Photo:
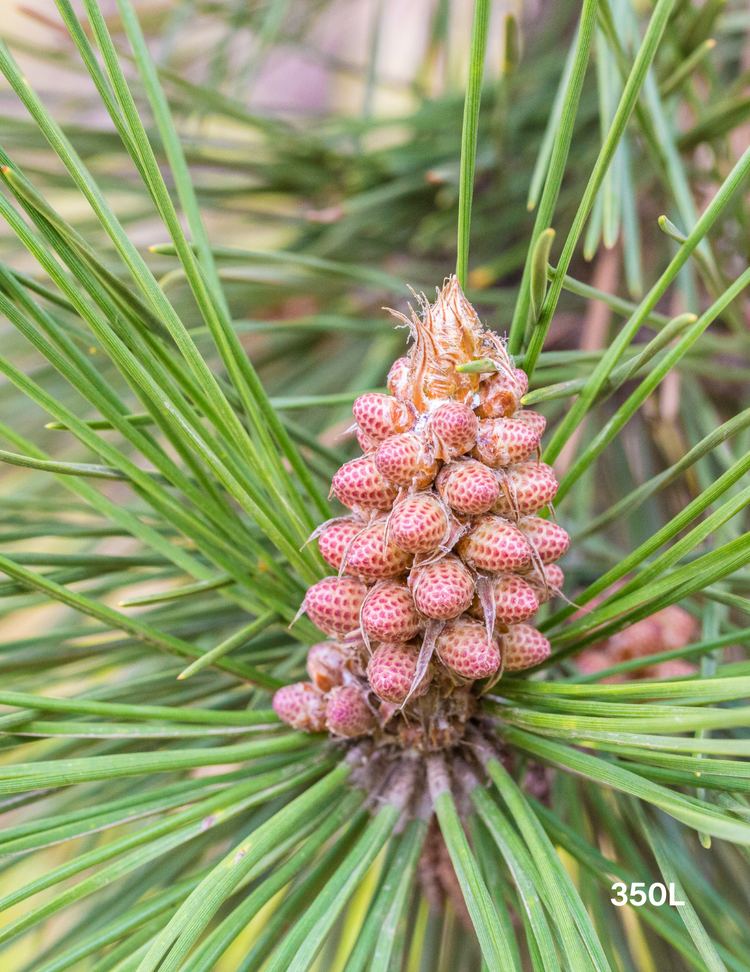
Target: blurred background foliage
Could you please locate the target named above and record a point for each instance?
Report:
(323, 141)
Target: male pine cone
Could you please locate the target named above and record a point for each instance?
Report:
(442, 559)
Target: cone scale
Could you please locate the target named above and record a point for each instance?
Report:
(450, 471)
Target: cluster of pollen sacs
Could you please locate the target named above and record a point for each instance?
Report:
(443, 559)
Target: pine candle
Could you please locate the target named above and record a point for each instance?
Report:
(442, 560)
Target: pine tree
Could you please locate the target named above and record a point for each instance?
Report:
(460, 788)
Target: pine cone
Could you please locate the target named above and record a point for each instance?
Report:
(441, 558)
